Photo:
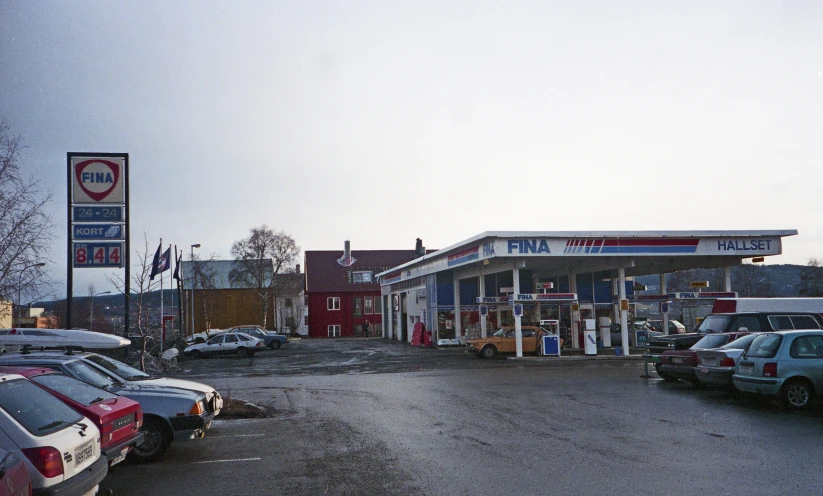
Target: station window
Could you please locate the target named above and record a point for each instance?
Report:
(334, 331)
(333, 303)
(368, 305)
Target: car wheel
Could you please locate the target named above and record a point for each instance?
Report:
(489, 351)
(274, 344)
(796, 393)
(158, 439)
(242, 352)
(196, 355)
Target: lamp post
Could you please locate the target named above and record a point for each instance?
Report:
(91, 314)
(191, 310)
(20, 289)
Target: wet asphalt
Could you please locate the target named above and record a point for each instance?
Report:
(358, 417)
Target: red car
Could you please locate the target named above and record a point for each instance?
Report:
(118, 418)
(680, 364)
(14, 476)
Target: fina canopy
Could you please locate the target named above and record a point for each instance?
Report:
(639, 252)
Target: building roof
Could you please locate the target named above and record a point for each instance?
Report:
(325, 274)
(220, 273)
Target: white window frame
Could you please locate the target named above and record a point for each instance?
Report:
(333, 303)
(361, 275)
(333, 330)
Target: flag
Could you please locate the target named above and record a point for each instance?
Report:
(161, 263)
(177, 274)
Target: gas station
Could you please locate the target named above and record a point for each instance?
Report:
(567, 280)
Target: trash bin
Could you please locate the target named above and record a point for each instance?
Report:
(618, 351)
(590, 341)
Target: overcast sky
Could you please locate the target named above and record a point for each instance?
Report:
(384, 121)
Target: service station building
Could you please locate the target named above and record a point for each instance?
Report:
(513, 278)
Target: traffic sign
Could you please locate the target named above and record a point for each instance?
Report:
(94, 213)
(97, 254)
(97, 231)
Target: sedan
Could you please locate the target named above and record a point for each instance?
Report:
(715, 367)
(679, 364)
(118, 418)
(270, 339)
(242, 345)
(788, 365)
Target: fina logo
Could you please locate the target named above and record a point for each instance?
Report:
(524, 246)
(97, 178)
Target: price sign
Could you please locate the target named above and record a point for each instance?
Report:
(97, 255)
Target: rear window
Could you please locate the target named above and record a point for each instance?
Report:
(740, 343)
(710, 341)
(83, 393)
(807, 347)
(37, 411)
(119, 368)
(765, 346)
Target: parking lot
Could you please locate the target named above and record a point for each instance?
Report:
(354, 416)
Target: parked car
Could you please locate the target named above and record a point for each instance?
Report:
(715, 367)
(118, 418)
(126, 374)
(643, 326)
(14, 476)
(503, 341)
(238, 344)
(788, 365)
(169, 413)
(271, 339)
(679, 364)
(731, 322)
(675, 327)
(60, 447)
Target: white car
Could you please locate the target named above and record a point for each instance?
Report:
(60, 447)
(242, 345)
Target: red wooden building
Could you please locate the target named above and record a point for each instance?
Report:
(342, 292)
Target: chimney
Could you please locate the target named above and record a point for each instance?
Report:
(347, 249)
(346, 260)
(419, 249)
(297, 268)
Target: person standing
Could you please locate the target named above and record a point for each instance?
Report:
(366, 329)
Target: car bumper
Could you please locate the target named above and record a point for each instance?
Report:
(685, 372)
(759, 385)
(191, 426)
(117, 451)
(715, 376)
(80, 484)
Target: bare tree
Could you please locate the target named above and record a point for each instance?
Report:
(261, 257)
(811, 279)
(204, 280)
(750, 280)
(141, 303)
(25, 228)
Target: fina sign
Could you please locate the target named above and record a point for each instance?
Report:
(97, 180)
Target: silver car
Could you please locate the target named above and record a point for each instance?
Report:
(787, 364)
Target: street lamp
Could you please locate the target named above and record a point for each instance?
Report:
(91, 314)
(20, 288)
(191, 310)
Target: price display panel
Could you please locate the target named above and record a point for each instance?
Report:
(98, 255)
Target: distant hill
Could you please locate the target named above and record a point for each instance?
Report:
(774, 280)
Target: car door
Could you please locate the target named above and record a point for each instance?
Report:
(214, 346)
(230, 344)
(529, 339)
(806, 352)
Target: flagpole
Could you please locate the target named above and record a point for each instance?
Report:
(161, 301)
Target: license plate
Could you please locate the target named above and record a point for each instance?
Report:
(119, 458)
(83, 453)
(709, 361)
(677, 360)
(747, 368)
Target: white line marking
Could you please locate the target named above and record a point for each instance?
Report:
(237, 435)
(234, 460)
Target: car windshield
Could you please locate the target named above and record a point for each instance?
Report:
(89, 374)
(764, 346)
(119, 368)
(714, 323)
(500, 333)
(83, 393)
(36, 410)
(740, 343)
(710, 341)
